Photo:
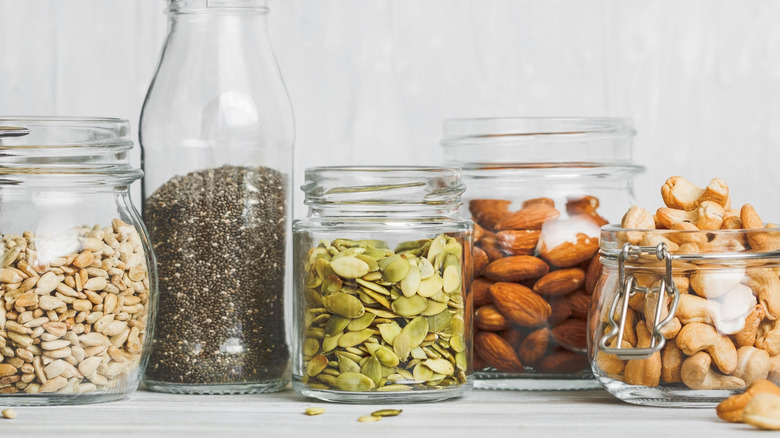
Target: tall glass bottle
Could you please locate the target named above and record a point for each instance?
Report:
(217, 136)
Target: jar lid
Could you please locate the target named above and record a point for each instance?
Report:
(38, 150)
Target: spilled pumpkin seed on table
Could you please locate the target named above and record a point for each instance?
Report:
(384, 320)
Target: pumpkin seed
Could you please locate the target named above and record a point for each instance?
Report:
(373, 276)
(316, 365)
(387, 412)
(329, 343)
(350, 339)
(368, 419)
(381, 312)
(440, 366)
(417, 329)
(434, 308)
(385, 355)
(422, 373)
(344, 305)
(389, 331)
(437, 246)
(394, 387)
(379, 298)
(332, 284)
(354, 382)
(349, 267)
(375, 254)
(430, 286)
(396, 271)
(439, 321)
(451, 278)
(323, 269)
(347, 365)
(426, 268)
(370, 261)
(458, 343)
(409, 307)
(373, 286)
(310, 346)
(361, 323)
(336, 324)
(418, 353)
(315, 411)
(411, 282)
(372, 369)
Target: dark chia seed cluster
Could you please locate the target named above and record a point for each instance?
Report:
(219, 237)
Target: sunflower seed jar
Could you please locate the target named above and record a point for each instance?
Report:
(381, 286)
(77, 277)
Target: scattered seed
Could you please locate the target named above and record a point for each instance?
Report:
(386, 412)
(368, 419)
(315, 411)
(9, 413)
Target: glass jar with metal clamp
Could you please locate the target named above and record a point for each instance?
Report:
(715, 331)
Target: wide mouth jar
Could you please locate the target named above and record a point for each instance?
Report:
(685, 318)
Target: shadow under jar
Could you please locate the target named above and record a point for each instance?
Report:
(539, 189)
(381, 279)
(716, 329)
(77, 283)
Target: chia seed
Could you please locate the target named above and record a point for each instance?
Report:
(219, 236)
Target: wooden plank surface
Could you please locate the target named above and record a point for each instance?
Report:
(479, 414)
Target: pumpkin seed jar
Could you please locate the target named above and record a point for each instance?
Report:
(382, 273)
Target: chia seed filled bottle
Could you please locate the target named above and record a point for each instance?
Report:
(217, 136)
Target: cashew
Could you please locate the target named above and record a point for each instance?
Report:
(731, 408)
(707, 216)
(678, 192)
(671, 361)
(730, 311)
(748, 334)
(759, 241)
(774, 368)
(609, 363)
(768, 337)
(669, 330)
(712, 281)
(697, 337)
(692, 234)
(731, 220)
(644, 372)
(763, 411)
(655, 239)
(637, 218)
(752, 364)
(696, 373)
(693, 308)
(766, 286)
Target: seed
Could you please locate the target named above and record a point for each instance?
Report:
(349, 267)
(96, 283)
(368, 419)
(386, 412)
(315, 411)
(344, 305)
(354, 382)
(409, 307)
(9, 413)
(396, 271)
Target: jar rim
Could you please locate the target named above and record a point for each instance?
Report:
(496, 127)
(200, 6)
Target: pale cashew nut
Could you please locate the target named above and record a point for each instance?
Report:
(731, 221)
(678, 192)
(766, 286)
(759, 241)
(692, 234)
(671, 328)
(637, 218)
(644, 372)
(768, 337)
(730, 311)
(774, 368)
(693, 308)
(707, 216)
(671, 362)
(752, 364)
(610, 363)
(696, 373)
(748, 334)
(655, 239)
(712, 281)
(697, 337)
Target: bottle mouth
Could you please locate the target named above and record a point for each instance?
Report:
(38, 150)
(196, 6)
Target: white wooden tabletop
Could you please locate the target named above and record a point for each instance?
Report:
(479, 414)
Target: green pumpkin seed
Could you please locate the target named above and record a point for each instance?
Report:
(349, 267)
(396, 271)
(461, 362)
(316, 365)
(381, 312)
(327, 379)
(373, 276)
(361, 323)
(387, 412)
(441, 297)
(425, 267)
(402, 346)
(373, 286)
(376, 254)
(354, 382)
(385, 262)
(394, 388)
(422, 373)
(336, 324)
(323, 269)
(416, 330)
(411, 282)
(451, 278)
(373, 266)
(344, 305)
(310, 346)
(434, 308)
(368, 419)
(350, 339)
(437, 246)
(365, 298)
(313, 281)
(347, 365)
(317, 253)
(409, 307)
(349, 252)
(430, 286)
(332, 284)
(315, 411)
(315, 332)
(389, 331)
(330, 342)
(377, 297)
(418, 353)
(458, 343)
(439, 321)
(440, 366)
(372, 369)
(385, 355)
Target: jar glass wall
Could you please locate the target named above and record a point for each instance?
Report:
(381, 280)
(78, 280)
(538, 190)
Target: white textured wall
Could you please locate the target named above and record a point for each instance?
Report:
(371, 80)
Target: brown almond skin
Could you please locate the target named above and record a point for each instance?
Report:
(562, 361)
(571, 334)
(530, 217)
(534, 346)
(514, 336)
(570, 254)
(593, 273)
(488, 318)
(587, 206)
(489, 244)
(520, 304)
(480, 292)
(489, 212)
(580, 304)
(560, 282)
(516, 268)
(561, 310)
(518, 242)
(497, 352)
(480, 260)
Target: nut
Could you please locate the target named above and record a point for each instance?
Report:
(497, 352)
(562, 361)
(567, 253)
(515, 268)
(520, 304)
(560, 282)
(571, 334)
(518, 242)
(489, 212)
(534, 346)
(731, 408)
(530, 217)
(678, 192)
(489, 318)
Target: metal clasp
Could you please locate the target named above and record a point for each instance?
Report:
(628, 288)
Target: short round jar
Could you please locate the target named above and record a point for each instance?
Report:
(382, 274)
(78, 281)
(715, 329)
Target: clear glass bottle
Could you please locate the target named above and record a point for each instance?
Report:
(77, 283)
(217, 136)
(716, 332)
(381, 280)
(539, 189)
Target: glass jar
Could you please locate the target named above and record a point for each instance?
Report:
(381, 274)
(78, 283)
(539, 189)
(217, 135)
(716, 331)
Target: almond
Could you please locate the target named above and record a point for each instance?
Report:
(561, 310)
(560, 282)
(490, 245)
(580, 304)
(520, 304)
(547, 201)
(534, 346)
(480, 292)
(488, 318)
(530, 217)
(497, 352)
(518, 242)
(593, 273)
(569, 254)
(480, 259)
(571, 334)
(586, 206)
(489, 212)
(563, 361)
(514, 337)
(516, 268)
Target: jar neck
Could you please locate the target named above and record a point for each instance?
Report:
(385, 212)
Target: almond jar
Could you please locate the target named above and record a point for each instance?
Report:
(538, 190)
(382, 269)
(716, 329)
